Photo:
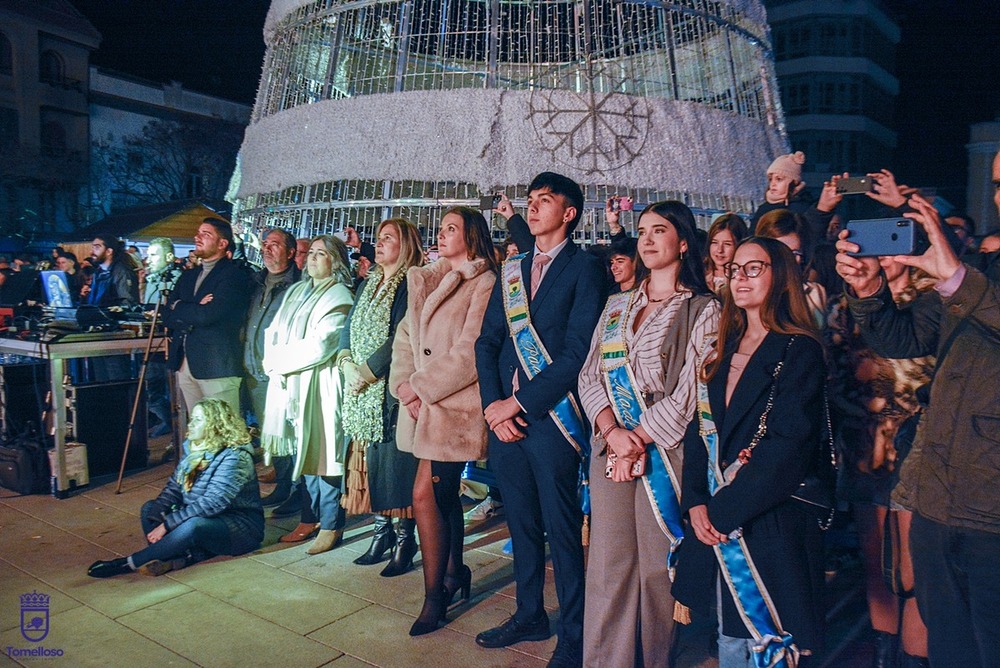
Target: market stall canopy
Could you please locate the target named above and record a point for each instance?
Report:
(177, 221)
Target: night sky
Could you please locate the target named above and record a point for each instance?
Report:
(948, 64)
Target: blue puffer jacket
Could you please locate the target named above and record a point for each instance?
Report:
(226, 489)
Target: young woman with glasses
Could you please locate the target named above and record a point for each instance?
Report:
(757, 434)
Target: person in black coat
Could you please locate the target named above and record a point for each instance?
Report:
(765, 322)
(205, 317)
(210, 505)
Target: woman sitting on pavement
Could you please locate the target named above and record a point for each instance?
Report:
(210, 506)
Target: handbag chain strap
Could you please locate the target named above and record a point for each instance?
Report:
(745, 453)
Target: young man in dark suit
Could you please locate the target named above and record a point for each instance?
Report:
(205, 316)
(535, 463)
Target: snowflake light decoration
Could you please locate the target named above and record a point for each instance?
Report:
(590, 130)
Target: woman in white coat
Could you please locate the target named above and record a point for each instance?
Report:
(302, 413)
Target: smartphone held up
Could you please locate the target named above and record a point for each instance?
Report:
(883, 236)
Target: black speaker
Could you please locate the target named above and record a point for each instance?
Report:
(98, 416)
(22, 393)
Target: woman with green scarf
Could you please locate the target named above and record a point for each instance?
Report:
(379, 476)
(302, 414)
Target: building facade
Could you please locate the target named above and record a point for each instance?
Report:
(45, 48)
(835, 61)
(78, 142)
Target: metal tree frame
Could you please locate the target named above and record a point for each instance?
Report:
(714, 53)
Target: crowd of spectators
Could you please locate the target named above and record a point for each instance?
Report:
(703, 383)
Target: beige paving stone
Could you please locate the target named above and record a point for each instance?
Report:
(131, 498)
(61, 559)
(492, 611)
(88, 638)
(379, 636)
(211, 632)
(334, 569)
(9, 515)
(289, 601)
(347, 661)
(16, 582)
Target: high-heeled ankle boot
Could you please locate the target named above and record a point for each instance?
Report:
(432, 615)
(886, 650)
(383, 539)
(460, 583)
(910, 661)
(405, 550)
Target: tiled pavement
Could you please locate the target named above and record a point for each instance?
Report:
(277, 606)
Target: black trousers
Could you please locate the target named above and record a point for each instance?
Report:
(538, 476)
(957, 584)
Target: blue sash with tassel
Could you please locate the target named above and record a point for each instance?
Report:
(775, 648)
(662, 483)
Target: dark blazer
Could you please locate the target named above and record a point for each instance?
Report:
(782, 534)
(564, 314)
(209, 334)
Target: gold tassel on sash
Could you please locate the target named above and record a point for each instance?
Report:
(682, 613)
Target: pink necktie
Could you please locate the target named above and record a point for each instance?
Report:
(536, 279)
(536, 272)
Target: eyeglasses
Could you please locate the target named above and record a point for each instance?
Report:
(751, 269)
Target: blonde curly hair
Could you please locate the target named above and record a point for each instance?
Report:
(223, 428)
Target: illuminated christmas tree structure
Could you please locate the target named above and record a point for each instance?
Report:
(375, 108)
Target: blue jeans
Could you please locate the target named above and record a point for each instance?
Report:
(200, 537)
(325, 495)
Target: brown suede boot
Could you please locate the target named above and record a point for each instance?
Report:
(326, 540)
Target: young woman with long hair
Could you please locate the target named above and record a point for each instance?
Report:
(433, 375)
(639, 415)
(724, 234)
(302, 414)
(757, 435)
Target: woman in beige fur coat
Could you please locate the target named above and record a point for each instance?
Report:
(434, 376)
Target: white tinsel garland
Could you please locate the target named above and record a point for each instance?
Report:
(497, 138)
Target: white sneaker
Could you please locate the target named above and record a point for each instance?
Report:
(486, 509)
